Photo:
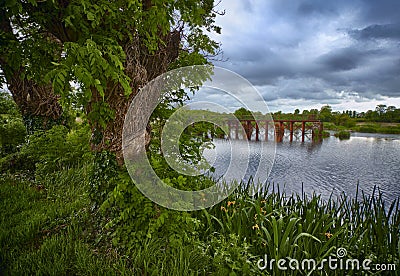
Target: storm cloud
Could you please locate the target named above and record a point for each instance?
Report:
(319, 52)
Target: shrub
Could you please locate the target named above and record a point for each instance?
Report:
(57, 149)
(325, 134)
(12, 129)
(367, 129)
(135, 218)
(343, 135)
(16, 162)
(103, 178)
(389, 130)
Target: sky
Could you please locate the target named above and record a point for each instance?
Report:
(306, 54)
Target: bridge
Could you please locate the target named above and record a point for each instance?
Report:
(293, 127)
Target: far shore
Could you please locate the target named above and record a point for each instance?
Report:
(367, 127)
(379, 123)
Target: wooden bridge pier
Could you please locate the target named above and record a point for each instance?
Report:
(306, 127)
(291, 131)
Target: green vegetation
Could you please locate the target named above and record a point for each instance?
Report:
(388, 122)
(302, 227)
(68, 210)
(343, 135)
(69, 206)
(378, 128)
(43, 227)
(77, 212)
(12, 129)
(48, 227)
(57, 55)
(383, 120)
(324, 134)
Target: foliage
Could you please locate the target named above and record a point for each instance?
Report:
(35, 123)
(243, 113)
(332, 126)
(344, 120)
(63, 149)
(325, 134)
(318, 134)
(106, 49)
(12, 129)
(367, 129)
(383, 113)
(46, 228)
(342, 135)
(42, 226)
(231, 255)
(378, 128)
(301, 227)
(325, 114)
(7, 105)
(102, 180)
(133, 217)
(136, 219)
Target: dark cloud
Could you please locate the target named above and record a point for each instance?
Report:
(388, 31)
(382, 11)
(314, 50)
(310, 8)
(344, 59)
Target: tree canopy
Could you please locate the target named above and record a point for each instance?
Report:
(98, 54)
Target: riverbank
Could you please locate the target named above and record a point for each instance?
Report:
(367, 127)
(49, 227)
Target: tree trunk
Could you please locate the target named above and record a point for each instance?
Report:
(141, 67)
(32, 98)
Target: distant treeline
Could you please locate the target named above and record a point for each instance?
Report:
(382, 113)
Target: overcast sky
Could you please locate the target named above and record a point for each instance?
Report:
(305, 54)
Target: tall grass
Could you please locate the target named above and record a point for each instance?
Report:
(42, 225)
(300, 226)
(47, 227)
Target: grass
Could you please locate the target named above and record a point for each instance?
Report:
(332, 126)
(47, 227)
(378, 128)
(369, 127)
(42, 226)
(300, 227)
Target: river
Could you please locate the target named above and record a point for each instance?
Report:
(332, 166)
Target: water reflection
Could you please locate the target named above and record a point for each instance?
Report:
(331, 166)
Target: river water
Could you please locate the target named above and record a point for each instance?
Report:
(332, 166)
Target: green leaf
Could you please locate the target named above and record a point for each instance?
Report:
(90, 16)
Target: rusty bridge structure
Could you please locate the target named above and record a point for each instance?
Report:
(300, 129)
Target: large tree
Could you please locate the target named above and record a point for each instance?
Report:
(101, 52)
(24, 59)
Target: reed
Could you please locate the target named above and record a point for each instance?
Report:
(301, 226)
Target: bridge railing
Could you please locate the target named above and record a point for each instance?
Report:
(281, 117)
(297, 117)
